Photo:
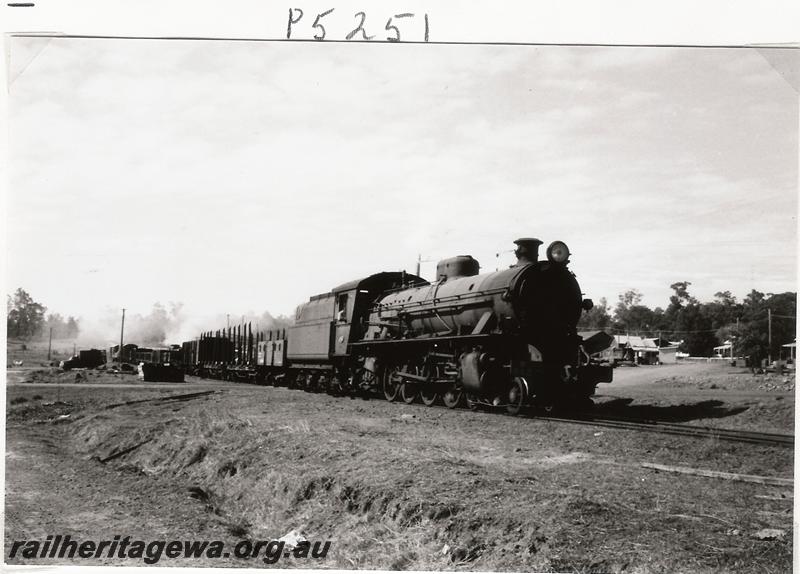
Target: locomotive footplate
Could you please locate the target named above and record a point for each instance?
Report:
(364, 346)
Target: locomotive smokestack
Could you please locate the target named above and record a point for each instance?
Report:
(527, 250)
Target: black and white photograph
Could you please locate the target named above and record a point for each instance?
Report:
(356, 298)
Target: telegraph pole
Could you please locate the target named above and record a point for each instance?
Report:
(50, 343)
(121, 336)
(769, 327)
(420, 261)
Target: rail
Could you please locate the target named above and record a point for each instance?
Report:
(736, 435)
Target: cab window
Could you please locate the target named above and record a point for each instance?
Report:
(341, 307)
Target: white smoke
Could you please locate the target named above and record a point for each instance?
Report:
(166, 325)
(154, 328)
(192, 328)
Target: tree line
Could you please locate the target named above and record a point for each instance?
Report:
(703, 326)
(699, 326)
(27, 319)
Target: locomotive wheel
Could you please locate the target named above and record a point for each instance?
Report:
(428, 395)
(516, 397)
(428, 392)
(472, 402)
(452, 397)
(391, 388)
(408, 393)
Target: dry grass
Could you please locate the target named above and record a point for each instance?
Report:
(452, 508)
(35, 352)
(259, 482)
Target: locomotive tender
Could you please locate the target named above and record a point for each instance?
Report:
(505, 339)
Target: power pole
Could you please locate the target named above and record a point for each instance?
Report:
(121, 336)
(420, 261)
(50, 344)
(769, 327)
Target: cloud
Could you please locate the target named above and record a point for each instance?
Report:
(259, 174)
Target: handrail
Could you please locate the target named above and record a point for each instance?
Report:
(382, 307)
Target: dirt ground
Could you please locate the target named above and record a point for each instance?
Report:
(403, 486)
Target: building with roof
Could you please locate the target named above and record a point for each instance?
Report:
(635, 349)
(643, 350)
(725, 350)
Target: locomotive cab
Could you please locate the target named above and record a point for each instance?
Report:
(327, 324)
(354, 301)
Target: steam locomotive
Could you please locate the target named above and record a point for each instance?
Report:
(502, 340)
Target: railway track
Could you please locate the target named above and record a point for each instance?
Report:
(751, 437)
(678, 429)
(164, 399)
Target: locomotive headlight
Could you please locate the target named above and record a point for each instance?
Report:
(558, 252)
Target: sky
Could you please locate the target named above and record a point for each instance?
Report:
(243, 177)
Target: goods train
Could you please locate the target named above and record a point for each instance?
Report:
(503, 340)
